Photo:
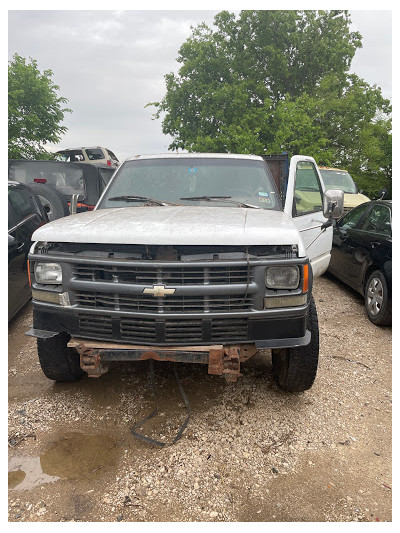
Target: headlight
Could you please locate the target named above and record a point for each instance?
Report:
(282, 277)
(48, 273)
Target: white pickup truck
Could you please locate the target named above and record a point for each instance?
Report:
(186, 257)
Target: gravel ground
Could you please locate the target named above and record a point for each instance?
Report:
(251, 453)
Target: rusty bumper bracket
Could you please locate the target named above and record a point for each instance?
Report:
(221, 360)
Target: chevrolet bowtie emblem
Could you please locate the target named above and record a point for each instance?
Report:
(159, 291)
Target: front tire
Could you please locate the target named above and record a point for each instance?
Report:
(59, 362)
(295, 368)
(376, 298)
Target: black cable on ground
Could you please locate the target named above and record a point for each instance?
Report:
(156, 442)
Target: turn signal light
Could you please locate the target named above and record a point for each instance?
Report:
(29, 273)
(305, 278)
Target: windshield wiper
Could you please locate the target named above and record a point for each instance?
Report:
(130, 198)
(219, 199)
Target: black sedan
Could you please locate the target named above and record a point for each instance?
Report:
(362, 256)
(25, 215)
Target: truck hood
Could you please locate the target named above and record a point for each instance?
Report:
(353, 200)
(174, 225)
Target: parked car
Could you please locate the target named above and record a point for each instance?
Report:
(362, 256)
(56, 182)
(96, 154)
(336, 178)
(25, 215)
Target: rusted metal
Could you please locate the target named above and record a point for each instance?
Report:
(91, 362)
(247, 351)
(221, 360)
(231, 363)
(215, 362)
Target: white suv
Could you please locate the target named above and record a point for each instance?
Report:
(93, 154)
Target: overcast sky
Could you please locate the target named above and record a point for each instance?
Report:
(110, 64)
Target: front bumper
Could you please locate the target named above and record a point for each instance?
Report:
(282, 328)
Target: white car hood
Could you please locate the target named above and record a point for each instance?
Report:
(174, 225)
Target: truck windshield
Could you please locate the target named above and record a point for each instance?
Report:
(193, 181)
(338, 179)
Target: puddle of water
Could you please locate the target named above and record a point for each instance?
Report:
(74, 456)
(15, 478)
(25, 473)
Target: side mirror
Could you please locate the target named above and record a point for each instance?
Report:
(12, 244)
(333, 203)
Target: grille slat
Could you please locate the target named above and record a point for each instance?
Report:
(175, 304)
(176, 331)
(164, 275)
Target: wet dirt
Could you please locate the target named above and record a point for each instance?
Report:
(74, 456)
(251, 453)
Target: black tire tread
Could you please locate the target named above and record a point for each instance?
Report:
(59, 362)
(303, 360)
(54, 197)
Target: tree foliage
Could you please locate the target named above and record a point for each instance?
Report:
(35, 110)
(267, 81)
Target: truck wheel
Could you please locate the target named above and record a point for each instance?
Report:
(59, 362)
(52, 201)
(295, 368)
(377, 300)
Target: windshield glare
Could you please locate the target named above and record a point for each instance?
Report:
(168, 180)
(338, 179)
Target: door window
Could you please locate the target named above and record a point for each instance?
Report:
(21, 203)
(353, 217)
(378, 220)
(11, 219)
(307, 192)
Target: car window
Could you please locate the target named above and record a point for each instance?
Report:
(66, 178)
(106, 174)
(21, 203)
(351, 219)
(11, 219)
(338, 179)
(378, 220)
(70, 156)
(307, 193)
(113, 156)
(94, 154)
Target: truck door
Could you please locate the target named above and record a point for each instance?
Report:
(304, 203)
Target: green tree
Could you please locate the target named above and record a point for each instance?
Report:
(267, 81)
(35, 110)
